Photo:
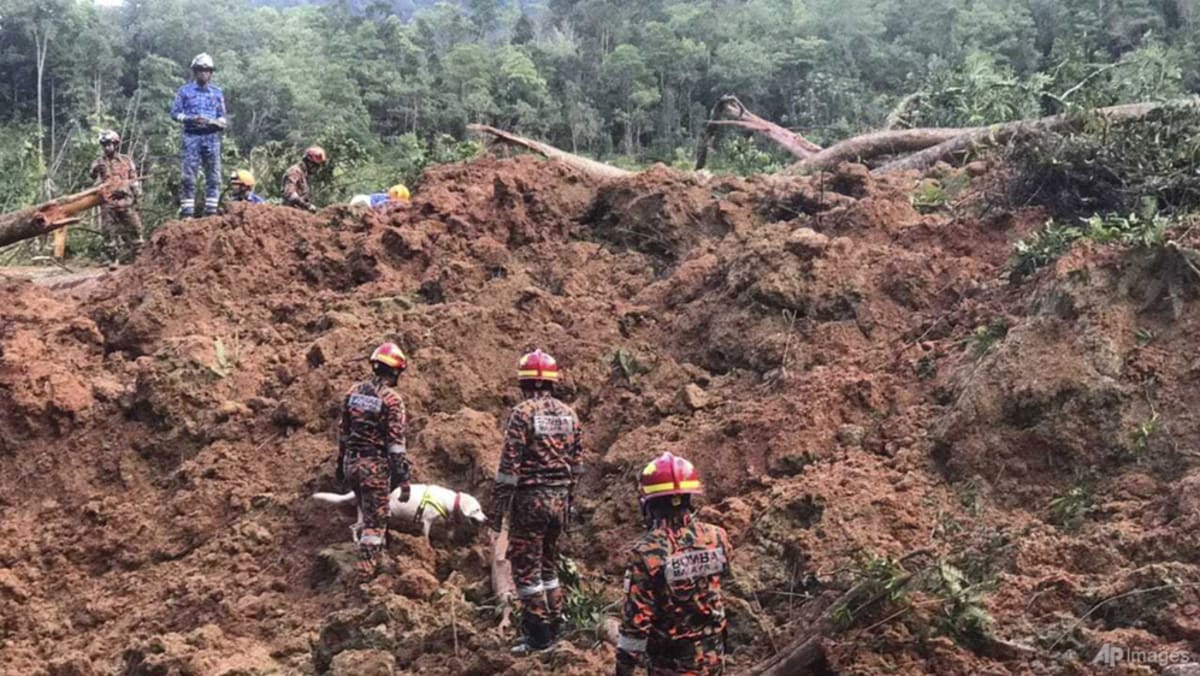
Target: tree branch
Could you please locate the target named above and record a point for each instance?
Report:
(592, 168)
(731, 107)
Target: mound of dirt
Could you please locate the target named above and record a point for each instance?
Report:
(819, 348)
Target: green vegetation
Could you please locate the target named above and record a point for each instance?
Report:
(986, 336)
(1142, 435)
(627, 365)
(1145, 230)
(585, 602)
(951, 598)
(1068, 510)
(388, 86)
(960, 611)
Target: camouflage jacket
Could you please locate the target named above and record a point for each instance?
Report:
(542, 444)
(295, 187)
(117, 168)
(373, 421)
(673, 587)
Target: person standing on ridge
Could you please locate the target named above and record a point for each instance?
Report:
(538, 468)
(200, 107)
(119, 218)
(296, 192)
(372, 452)
(674, 617)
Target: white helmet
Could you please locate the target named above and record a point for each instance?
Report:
(202, 60)
(360, 201)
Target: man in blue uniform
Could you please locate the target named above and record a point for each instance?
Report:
(241, 188)
(200, 108)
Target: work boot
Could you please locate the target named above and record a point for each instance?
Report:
(555, 601)
(537, 637)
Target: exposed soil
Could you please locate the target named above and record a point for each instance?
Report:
(813, 344)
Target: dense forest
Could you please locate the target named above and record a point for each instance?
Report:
(388, 87)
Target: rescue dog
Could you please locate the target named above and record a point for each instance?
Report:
(426, 503)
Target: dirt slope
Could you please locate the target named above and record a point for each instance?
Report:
(810, 343)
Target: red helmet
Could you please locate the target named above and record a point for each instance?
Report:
(390, 354)
(537, 365)
(316, 155)
(669, 474)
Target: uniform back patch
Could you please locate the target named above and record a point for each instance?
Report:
(364, 402)
(553, 425)
(697, 564)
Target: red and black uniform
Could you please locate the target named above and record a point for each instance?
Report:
(371, 449)
(542, 447)
(295, 190)
(674, 618)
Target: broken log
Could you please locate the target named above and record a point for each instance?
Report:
(502, 580)
(802, 654)
(50, 216)
(598, 170)
(929, 145)
(729, 111)
(1003, 133)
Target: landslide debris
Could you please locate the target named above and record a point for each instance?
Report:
(828, 355)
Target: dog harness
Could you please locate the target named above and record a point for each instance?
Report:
(427, 501)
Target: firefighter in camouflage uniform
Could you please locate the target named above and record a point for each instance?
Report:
(538, 468)
(371, 450)
(296, 192)
(674, 620)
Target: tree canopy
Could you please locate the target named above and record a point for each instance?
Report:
(389, 86)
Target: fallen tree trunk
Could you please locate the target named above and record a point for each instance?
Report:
(1003, 133)
(50, 216)
(876, 144)
(598, 170)
(923, 147)
(729, 106)
(929, 145)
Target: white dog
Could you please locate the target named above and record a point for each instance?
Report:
(426, 503)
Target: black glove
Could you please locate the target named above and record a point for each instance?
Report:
(340, 472)
(502, 497)
(405, 492)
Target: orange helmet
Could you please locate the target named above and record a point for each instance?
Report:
(667, 475)
(316, 155)
(535, 366)
(390, 354)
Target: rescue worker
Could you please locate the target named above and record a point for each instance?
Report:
(372, 452)
(296, 192)
(534, 483)
(200, 107)
(241, 188)
(119, 218)
(674, 618)
(397, 196)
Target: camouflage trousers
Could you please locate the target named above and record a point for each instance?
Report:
(200, 149)
(538, 515)
(370, 478)
(703, 656)
(122, 228)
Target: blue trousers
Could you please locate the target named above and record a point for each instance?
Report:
(197, 149)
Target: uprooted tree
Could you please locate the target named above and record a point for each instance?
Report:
(903, 149)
